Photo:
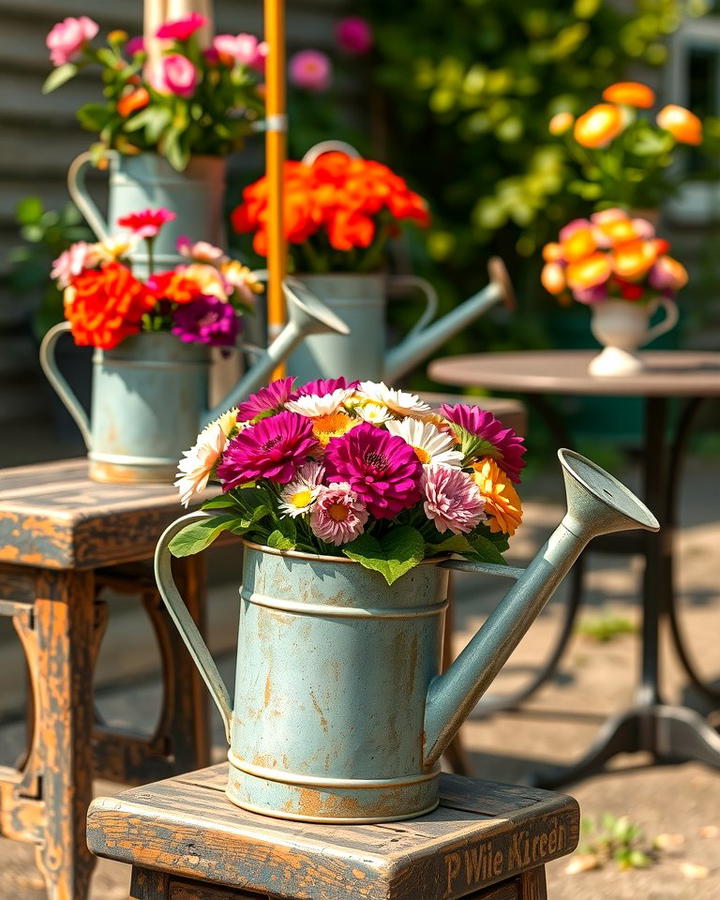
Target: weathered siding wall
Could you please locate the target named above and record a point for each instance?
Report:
(39, 137)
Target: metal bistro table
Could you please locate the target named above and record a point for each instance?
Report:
(667, 732)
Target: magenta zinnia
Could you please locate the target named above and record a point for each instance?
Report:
(322, 386)
(507, 447)
(273, 448)
(381, 468)
(268, 399)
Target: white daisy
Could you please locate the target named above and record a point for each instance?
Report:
(298, 496)
(431, 446)
(196, 466)
(398, 401)
(374, 413)
(313, 405)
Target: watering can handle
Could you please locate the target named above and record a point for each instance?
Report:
(59, 383)
(401, 284)
(316, 151)
(189, 631)
(81, 198)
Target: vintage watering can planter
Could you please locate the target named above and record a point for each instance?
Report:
(195, 195)
(361, 301)
(149, 394)
(341, 713)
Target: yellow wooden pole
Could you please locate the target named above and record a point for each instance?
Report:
(275, 152)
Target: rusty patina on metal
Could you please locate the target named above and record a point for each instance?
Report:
(341, 712)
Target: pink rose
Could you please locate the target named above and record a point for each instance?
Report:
(241, 48)
(174, 74)
(181, 29)
(66, 39)
(311, 70)
(354, 35)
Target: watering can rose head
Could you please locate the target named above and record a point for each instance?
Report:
(200, 301)
(339, 212)
(611, 256)
(357, 469)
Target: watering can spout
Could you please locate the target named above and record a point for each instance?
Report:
(596, 504)
(306, 315)
(422, 341)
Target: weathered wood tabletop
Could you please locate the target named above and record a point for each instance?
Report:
(52, 515)
(185, 828)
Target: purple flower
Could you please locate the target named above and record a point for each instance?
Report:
(322, 386)
(135, 45)
(354, 35)
(274, 448)
(268, 399)
(206, 320)
(380, 468)
(590, 295)
(507, 446)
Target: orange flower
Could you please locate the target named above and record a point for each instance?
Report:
(631, 261)
(561, 122)
(132, 102)
(588, 272)
(174, 286)
(501, 502)
(106, 305)
(552, 252)
(630, 93)
(620, 231)
(683, 125)
(553, 278)
(606, 216)
(332, 425)
(579, 244)
(598, 126)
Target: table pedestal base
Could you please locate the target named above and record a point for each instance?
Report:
(669, 733)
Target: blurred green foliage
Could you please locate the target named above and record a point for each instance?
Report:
(46, 232)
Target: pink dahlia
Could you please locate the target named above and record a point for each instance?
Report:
(452, 501)
(506, 446)
(311, 70)
(338, 515)
(381, 468)
(274, 448)
(181, 29)
(146, 223)
(268, 399)
(322, 386)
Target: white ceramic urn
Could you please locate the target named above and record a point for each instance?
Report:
(622, 326)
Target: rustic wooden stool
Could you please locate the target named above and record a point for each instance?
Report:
(63, 539)
(186, 841)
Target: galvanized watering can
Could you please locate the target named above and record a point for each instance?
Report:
(341, 712)
(361, 301)
(195, 195)
(150, 393)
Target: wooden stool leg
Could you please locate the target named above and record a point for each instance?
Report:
(189, 727)
(147, 884)
(455, 753)
(533, 885)
(64, 626)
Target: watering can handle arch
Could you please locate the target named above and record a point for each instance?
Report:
(58, 381)
(81, 198)
(398, 284)
(185, 623)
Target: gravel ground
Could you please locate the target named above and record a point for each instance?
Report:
(594, 680)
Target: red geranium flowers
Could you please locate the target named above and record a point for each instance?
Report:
(335, 204)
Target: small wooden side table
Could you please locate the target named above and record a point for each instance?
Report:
(186, 841)
(63, 539)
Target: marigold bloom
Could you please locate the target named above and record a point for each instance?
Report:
(561, 122)
(580, 244)
(683, 125)
(588, 272)
(332, 425)
(132, 102)
(598, 126)
(107, 305)
(552, 278)
(631, 261)
(552, 252)
(502, 505)
(630, 93)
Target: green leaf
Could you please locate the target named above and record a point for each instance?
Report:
(456, 543)
(472, 446)
(29, 210)
(59, 76)
(222, 501)
(392, 555)
(278, 541)
(93, 116)
(153, 119)
(199, 535)
(484, 550)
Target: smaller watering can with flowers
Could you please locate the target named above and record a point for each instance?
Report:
(341, 710)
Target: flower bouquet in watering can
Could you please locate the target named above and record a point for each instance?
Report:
(354, 500)
(617, 266)
(341, 212)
